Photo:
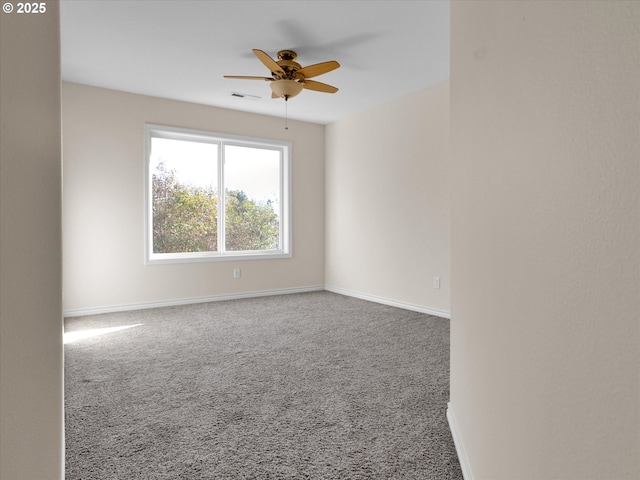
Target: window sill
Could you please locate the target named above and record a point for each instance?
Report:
(164, 259)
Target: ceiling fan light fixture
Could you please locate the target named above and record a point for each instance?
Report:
(286, 88)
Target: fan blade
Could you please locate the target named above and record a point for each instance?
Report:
(319, 86)
(318, 69)
(241, 77)
(269, 62)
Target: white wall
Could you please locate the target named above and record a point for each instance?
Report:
(387, 207)
(31, 359)
(545, 347)
(104, 204)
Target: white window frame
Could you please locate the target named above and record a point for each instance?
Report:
(221, 139)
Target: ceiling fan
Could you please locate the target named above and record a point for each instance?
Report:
(289, 77)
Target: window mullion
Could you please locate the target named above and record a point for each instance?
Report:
(283, 198)
(221, 200)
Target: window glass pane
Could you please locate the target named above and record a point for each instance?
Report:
(184, 195)
(252, 198)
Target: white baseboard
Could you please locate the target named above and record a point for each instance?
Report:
(187, 301)
(386, 301)
(457, 440)
(261, 293)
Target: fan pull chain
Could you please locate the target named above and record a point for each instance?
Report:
(286, 114)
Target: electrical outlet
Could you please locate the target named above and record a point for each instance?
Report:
(236, 273)
(436, 282)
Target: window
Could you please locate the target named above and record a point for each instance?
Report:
(214, 197)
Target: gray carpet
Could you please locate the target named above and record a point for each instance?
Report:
(313, 385)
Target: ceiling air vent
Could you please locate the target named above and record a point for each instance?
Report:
(245, 95)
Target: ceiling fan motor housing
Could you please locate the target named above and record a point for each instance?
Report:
(288, 64)
(287, 86)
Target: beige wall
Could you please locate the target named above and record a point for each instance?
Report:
(387, 208)
(31, 386)
(546, 238)
(104, 204)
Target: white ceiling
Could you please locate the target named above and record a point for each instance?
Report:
(180, 49)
